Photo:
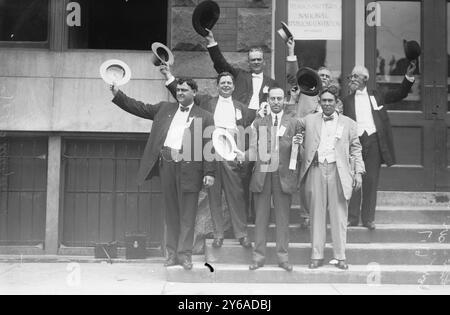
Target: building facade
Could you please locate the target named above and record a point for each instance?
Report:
(68, 157)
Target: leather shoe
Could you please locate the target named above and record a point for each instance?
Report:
(352, 224)
(370, 225)
(256, 265)
(315, 263)
(342, 265)
(218, 242)
(171, 262)
(187, 265)
(286, 266)
(245, 242)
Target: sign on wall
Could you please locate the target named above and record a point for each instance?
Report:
(315, 19)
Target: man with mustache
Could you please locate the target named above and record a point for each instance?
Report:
(368, 109)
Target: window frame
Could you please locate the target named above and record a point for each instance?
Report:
(52, 12)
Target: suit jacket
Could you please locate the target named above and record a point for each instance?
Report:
(289, 178)
(162, 115)
(209, 104)
(381, 117)
(243, 80)
(348, 149)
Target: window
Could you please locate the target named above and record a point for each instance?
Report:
(102, 201)
(24, 20)
(318, 27)
(120, 24)
(23, 190)
(400, 21)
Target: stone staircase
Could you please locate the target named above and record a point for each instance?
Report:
(410, 246)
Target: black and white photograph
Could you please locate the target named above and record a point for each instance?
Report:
(224, 153)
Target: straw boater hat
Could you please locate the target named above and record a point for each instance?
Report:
(115, 71)
(224, 144)
(285, 33)
(161, 54)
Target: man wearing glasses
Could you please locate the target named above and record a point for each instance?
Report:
(368, 109)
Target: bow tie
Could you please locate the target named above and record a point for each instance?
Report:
(184, 108)
(258, 75)
(328, 118)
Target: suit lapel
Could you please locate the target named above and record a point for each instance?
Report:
(318, 125)
(213, 105)
(351, 112)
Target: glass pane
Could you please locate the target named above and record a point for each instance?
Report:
(400, 22)
(23, 20)
(119, 24)
(317, 28)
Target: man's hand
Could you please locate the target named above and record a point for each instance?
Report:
(298, 139)
(114, 89)
(208, 181)
(210, 37)
(291, 46)
(165, 71)
(357, 182)
(411, 68)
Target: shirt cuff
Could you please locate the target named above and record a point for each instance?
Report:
(410, 79)
(212, 45)
(170, 81)
(292, 58)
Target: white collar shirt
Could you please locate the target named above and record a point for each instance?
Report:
(363, 110)
(257, 80)
(177, 127)
(327, 150)
(225, 114)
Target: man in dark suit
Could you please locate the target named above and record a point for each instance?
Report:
(170, 153)
(252, 87)
(369, 110)
(272, 176)
(230, 115)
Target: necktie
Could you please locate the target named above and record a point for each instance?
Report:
(328, 118)
(184, 108)
(275, 124)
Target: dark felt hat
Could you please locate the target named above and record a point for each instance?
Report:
(412, 50)
(206, 15)
(284, 32)
(309, 81)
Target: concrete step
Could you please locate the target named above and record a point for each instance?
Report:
(357, 274)
(406, 199)
(358, 254)
(385, 233)
(391, 215)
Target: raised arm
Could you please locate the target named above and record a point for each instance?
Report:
(291, 64)
(134, 107)
(220, 63)
(402, 92)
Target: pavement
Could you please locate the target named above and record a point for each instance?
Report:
(149, 278)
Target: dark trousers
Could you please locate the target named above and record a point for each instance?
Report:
(282, 202)
(364, 206)
(228, 179)
(181, 210)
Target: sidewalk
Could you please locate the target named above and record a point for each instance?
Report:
(150, 279)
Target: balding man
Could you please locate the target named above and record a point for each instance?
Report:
(368, 109)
